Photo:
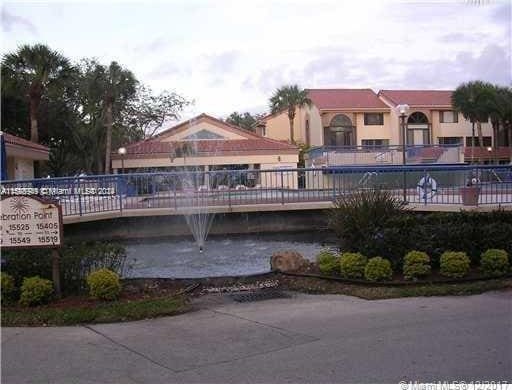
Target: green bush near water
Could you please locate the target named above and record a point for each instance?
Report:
(416, 265)
(352, 265)
(378, 269)
(375, 223)
(454, 264)
(494, 262)
(328, 262)
(35, 291)
(104, 284)
(8, 287)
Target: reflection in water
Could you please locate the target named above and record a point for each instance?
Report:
(238, 255)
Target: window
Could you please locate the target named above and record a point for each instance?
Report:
(340, 132)
(448, 117)
(373, 119)
(487, 141)
(375, 143)
(450, 140)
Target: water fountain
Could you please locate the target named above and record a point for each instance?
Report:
(199, 224)
(197, 215)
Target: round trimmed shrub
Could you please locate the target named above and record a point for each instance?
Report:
(35, 291)
(416, 265)
(377, 269)
(352, 265)
(104, 284)
(494, 262)
(7, 286)
(454, 264)
(327, 262)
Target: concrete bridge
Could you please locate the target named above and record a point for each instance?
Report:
(423, 187)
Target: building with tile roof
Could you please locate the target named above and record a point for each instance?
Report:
(206, 143)
(21, 154)
(361, 119)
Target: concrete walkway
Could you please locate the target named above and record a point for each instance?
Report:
(306, 338)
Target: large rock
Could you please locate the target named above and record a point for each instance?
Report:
(287, 261)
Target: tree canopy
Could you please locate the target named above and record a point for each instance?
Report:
(246, 120)
(289, 97)
(79, 107)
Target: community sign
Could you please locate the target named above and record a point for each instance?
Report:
(29, 221)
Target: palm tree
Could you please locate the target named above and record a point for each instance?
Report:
(34, 69)
(471, 99)
(499, 105)
(119, 85)
(289, 97)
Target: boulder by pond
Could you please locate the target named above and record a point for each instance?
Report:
(287, 261)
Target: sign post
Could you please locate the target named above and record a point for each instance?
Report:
(32, 222)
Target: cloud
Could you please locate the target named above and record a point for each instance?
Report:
(493, 64)
(9, 21)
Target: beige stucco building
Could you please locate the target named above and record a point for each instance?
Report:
(205, 143)
(360, 119)
(20, 156)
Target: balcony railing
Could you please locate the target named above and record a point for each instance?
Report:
(384, 155)
(188, 191)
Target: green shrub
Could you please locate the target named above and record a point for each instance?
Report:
(7, 286)
(494, 262)
(327, 262)
(104, 284)
(416, 265)
(359, 218)
(35, 291)
(454, 264)
(361, 228)
(352, 265)
(78, 259)
(377, 269)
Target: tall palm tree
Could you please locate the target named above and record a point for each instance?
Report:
(499, 104)
(471, 100)
(34, 69)
(119, 86)
(289, 97)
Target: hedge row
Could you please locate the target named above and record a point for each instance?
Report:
(371, 222)
(416, 265)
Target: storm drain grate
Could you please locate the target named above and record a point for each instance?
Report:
(258, 295)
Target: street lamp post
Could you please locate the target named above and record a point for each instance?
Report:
(122, 152)
(402, 110)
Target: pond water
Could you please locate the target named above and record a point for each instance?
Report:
(234, 255)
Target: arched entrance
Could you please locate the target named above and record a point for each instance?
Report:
(418, 129)
(340, 131)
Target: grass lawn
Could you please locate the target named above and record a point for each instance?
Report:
(100, 312)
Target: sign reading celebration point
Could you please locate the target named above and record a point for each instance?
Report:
(29, 221)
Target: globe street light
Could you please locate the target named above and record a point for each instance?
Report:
(402, 110)
(122, 152)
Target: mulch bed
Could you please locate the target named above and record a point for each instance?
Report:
(308, 280)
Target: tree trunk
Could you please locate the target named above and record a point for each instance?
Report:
(35, 99)
(108, 143)
(291, 117)
(480, 137)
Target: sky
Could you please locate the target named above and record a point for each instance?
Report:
(232, 55)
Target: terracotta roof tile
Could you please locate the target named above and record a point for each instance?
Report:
(418, 98)
(14, 140)
(211, 147)
(326, 99)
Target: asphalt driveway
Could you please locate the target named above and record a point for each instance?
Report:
(305, 338)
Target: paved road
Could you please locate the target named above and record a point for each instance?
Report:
(306, 338)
